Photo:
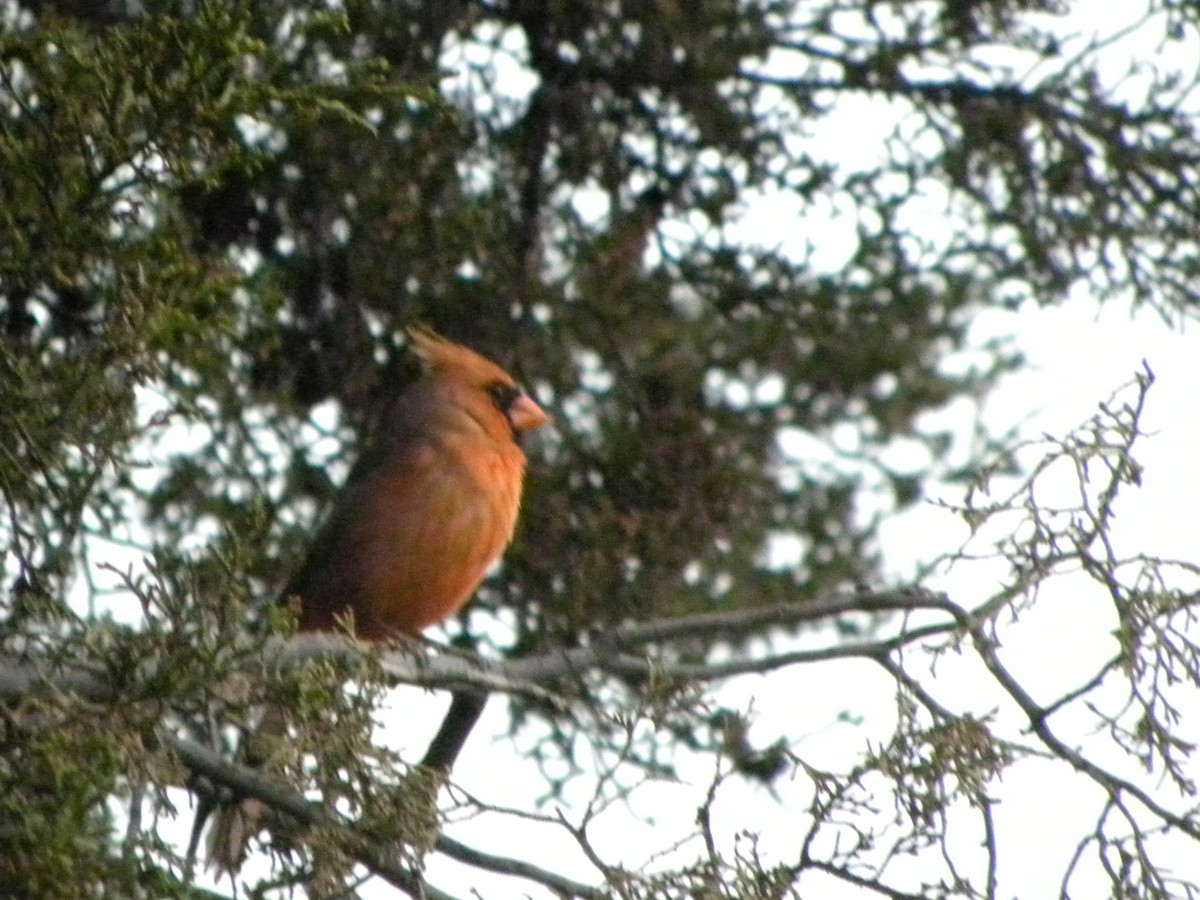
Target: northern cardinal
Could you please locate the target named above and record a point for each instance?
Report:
(417, 526)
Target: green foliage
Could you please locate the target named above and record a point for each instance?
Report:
(55, 782)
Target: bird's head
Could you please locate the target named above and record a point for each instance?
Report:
(477, 393)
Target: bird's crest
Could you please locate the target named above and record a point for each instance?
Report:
(444, 357)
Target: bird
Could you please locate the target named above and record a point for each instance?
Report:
(420, 521)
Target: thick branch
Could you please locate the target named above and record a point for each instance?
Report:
(444, 668)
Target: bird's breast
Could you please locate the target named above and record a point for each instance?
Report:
(439, 522)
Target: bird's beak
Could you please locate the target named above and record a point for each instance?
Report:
(525, 415)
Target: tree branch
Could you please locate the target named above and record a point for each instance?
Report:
(249, 782)
(424, 665)
(504, 865)
(1113, 784)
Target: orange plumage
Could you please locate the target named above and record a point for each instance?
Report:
(418, 525)
(426, 515)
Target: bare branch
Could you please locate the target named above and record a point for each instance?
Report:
(505, 865)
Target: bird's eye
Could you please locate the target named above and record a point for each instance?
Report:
(503, 395)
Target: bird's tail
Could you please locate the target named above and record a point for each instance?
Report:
(236, 822)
